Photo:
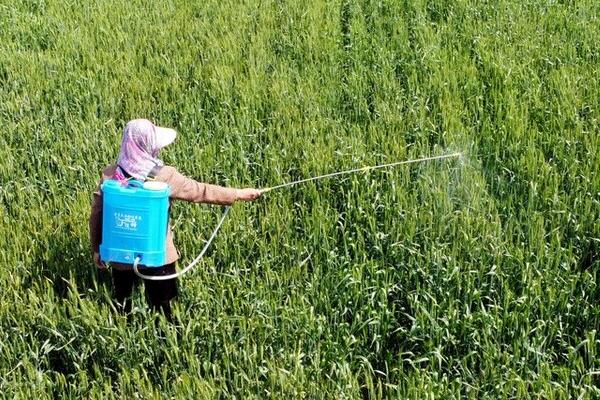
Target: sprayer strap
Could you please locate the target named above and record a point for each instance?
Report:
(153, 172)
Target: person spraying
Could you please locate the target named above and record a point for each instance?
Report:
(138, 161)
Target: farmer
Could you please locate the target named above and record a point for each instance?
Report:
(137, 159)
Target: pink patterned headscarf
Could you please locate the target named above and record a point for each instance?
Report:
(139, 148)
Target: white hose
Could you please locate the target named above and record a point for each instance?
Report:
(192, 264)
(227, 208)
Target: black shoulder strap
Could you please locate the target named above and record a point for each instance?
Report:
(154, 172)
(127, 175)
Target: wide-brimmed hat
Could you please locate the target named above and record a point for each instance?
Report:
(164, 136)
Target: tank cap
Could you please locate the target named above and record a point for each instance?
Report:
(155, 185)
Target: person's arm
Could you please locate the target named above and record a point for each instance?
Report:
(95, 225)
(184, 188)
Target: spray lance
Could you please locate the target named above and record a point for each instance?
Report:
(135, 219)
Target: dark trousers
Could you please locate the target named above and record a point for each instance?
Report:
(158, 293)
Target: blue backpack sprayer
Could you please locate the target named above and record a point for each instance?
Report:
(135, 219)
(134, 222)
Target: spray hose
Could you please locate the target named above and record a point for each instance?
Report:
(192, 264)
(265, 190)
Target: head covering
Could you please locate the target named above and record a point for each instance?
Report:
(140, 145)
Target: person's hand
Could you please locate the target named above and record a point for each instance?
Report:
(248, 194)
(99, 263)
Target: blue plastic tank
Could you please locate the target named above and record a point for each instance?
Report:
(135, 217)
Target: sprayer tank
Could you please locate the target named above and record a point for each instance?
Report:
(134, 222)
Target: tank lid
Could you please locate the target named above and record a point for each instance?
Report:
(155, 185)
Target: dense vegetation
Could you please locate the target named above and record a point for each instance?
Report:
(473, 278)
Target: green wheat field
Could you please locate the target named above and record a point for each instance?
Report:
(464, 278)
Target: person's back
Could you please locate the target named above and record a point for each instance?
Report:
(141, 143)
